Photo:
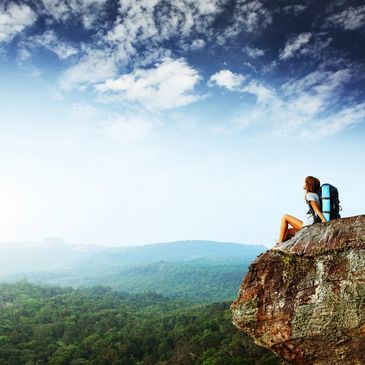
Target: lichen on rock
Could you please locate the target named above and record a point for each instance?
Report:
(306, 302)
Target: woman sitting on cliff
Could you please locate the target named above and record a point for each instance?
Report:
(314, 215)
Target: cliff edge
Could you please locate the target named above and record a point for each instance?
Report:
(306, 302)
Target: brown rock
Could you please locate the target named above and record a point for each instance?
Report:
(306, 302)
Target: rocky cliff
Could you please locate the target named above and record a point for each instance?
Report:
(306, 301)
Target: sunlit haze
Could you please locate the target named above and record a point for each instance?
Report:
(131, 122)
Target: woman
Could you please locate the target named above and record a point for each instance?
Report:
(312, 187)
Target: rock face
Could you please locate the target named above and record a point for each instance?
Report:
(306, 301)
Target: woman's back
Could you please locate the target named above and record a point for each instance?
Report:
(311, 216)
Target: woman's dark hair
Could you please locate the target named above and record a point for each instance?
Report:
(313, 185)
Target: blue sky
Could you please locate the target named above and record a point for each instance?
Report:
(128, 122)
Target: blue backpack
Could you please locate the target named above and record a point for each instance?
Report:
(330, 202)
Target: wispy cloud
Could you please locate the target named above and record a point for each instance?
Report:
(128, 126)
(307, 107)
(294, 9)
(143, 55)
(294, 45)
(263, 93)
(197, 44)
(138, 37)
(254, 52)
(249, 15)
(318, 48)
(150, 23)
(50, 41)
(87, 11)
(169, 84)
(14, 19)
(320, 83)
(349, 19)
(95, 66)
(337, 122)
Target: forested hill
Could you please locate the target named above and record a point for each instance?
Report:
(175, 251)
(42, 325)
(199, 271)
(54, 254)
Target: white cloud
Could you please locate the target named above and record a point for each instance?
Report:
(307, 107)
(227, 79)
(14, 19)
(316, 48)
(254, 52)
(208, 7)
(249, 16)
(24, 54)
(50, 41)
(294, 9)
(149, 23)
(86, 10)
(138, 36)
(263, 94)
(349, 19)
(169, 84)
(337, 122)
(197, 44)
(294, 45)
(58, 9)
(95, 66)
(322, 83)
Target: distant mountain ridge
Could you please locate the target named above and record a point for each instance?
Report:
(177, 251)
(55, 254)
(194, 270)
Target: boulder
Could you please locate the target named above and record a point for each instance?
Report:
(306, 300)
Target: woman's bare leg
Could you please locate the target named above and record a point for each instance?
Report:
(287, 219)
(290, 233)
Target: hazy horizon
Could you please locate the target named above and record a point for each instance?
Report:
(135, 122)
(58, 241)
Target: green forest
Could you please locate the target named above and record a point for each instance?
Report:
(202, 281)
(42, 324)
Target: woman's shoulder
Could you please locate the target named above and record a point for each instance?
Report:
(312, 196)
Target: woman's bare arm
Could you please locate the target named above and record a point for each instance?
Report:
(315, 207)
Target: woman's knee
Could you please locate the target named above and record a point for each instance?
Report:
(285, 218)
